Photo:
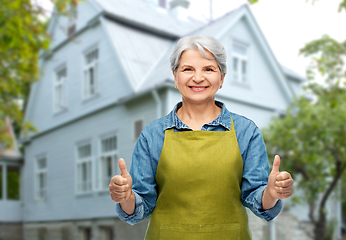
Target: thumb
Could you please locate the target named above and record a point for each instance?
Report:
(276, 164)
(122, 166)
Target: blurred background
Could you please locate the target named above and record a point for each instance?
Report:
(79, 80)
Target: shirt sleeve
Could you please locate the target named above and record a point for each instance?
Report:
(255, 177)
(143, 186)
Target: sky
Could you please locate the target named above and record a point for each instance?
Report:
(286, 24)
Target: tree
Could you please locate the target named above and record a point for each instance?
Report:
(22, 37)
(311, 137)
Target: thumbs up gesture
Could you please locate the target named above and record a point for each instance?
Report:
(280, 184)
(120, 187)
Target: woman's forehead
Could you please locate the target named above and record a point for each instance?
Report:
(191, 56)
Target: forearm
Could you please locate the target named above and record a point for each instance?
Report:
(129, 205)
(268, 201)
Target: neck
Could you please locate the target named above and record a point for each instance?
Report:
(196, 115)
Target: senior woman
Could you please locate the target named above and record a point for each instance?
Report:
(194, 170)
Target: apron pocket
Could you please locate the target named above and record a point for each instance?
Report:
(200, 232)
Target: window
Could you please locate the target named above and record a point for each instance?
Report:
(90, 73)
(84, 166)
(13, 182)
(59, 89)
(42, 234)
(240, 63)
(107, 233)
(108, 160)
(86, 233)
(65, 234)
(138, 128)
(41, 178)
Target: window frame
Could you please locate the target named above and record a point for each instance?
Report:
(86, 89)
(79, 162)
(63, 94)
(240, 58)
(38, 190)
(102, 186)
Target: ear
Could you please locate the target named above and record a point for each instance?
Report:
(221, 79)
(175, 78)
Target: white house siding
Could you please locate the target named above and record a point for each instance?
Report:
(59, 147)
(263, 87)
(112, 83)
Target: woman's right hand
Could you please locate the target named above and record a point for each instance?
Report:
(120, 187)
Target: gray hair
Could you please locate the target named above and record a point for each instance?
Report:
(201, 43)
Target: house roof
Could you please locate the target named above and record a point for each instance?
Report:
(142, 38)
(140, 14)
(292, 74)
(218, 28)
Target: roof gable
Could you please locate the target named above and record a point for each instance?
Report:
(221, 27)
(137, 50)
(140, 14)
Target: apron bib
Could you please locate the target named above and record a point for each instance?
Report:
(199, 197)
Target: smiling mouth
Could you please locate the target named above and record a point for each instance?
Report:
(198, 88)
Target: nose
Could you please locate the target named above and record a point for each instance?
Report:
(198, 77)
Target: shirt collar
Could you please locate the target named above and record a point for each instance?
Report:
(224, 119)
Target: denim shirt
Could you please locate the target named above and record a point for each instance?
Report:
(147, 153)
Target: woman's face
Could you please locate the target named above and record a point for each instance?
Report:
(198, 78)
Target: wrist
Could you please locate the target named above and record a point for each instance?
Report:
(128, 206)
(268, 201)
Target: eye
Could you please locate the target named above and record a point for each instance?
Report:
(187, 69)
(210, 70)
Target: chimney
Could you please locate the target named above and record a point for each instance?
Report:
(179, 9)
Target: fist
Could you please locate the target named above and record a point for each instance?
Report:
(280, 184)
(120, 187)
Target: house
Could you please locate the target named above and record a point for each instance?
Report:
(106, 76)
(11, 162)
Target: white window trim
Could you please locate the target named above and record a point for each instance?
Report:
(37, 171)
(62, 83)
(113, 154)
(95, 65)
(81, 161)
(241, 58)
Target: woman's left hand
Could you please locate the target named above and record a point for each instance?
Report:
(280, 186)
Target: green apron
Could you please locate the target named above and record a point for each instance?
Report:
(199, 176)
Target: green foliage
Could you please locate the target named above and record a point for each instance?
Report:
(252, 1)
(22, 36)
(342, 5)
(311, 137)
(328, 57)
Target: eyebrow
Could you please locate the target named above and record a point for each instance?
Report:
(208, 66)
